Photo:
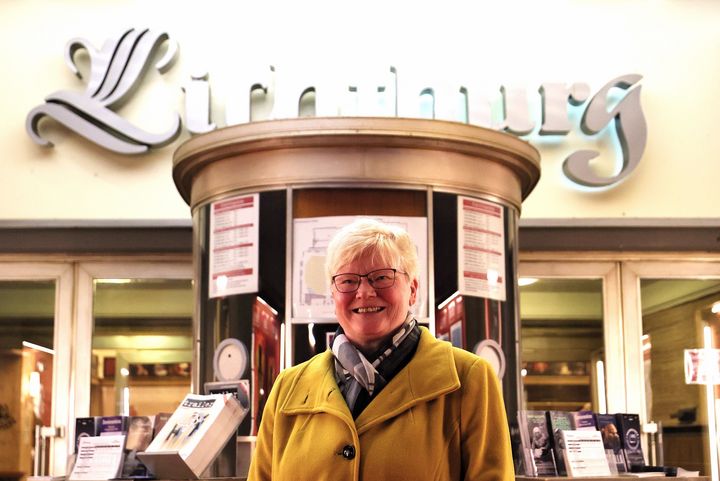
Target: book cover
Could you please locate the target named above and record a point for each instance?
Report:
(85, 427)
(559, 421)
(160, 420)
(112, 425)
(629, 429)
(585, 421)
(535, 437)
(526, 466)
(193, 436)
(607, 425)
(139, 437)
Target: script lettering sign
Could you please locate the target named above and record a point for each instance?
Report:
(119, 66)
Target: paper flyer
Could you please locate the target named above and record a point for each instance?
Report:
(99, 457)
(481, 249)
(233, 250)
(585, 453)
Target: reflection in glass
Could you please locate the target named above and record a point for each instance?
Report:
(561, 342)
(674, 315)
(141, 347)
(27, 312)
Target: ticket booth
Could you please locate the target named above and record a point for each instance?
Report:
(267, 196)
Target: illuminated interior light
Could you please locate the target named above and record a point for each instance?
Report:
(221, 283)
(38, 347)
(311, 336)
(602, 403)
(492, 276)
(126, 401)
(113, 281)
(124, 372)
(523, 372)
(262, 301)
(526, 281)
(282, 346)
(34, 385)
(450, 299)
(715, 308)
(710, 404)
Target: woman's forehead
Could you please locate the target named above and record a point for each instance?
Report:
(371, 258)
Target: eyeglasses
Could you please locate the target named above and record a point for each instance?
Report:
(378, 279)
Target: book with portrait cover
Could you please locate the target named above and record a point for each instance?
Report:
(559, 421)
(535, 437)
(193, 436)
(607, 425)
(139, 436)
(629, 428)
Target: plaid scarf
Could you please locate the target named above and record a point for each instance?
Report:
(353, 371)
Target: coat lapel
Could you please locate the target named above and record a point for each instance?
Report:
(315, 390)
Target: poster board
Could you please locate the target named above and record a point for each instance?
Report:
(233, 251)
(481, 249)
(311, 295)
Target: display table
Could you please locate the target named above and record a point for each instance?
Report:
(625, 477)
(553, 478)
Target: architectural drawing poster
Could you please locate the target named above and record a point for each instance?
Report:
(311, 294)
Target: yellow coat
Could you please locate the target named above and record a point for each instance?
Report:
(440, 418)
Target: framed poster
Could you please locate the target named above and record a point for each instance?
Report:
(310, 289)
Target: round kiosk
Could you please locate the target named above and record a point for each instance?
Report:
(267, 196)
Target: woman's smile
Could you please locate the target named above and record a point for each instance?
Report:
(367, 310)
(367, 315)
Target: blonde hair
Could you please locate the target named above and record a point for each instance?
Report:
(369, 237)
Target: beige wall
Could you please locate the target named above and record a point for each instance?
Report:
(674, 44)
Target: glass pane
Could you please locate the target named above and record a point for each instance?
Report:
(561, 340)
(27, 312)
(141, 347)
(674, 315)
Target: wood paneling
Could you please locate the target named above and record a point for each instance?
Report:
(343, 201)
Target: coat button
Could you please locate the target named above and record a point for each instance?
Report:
(348, 451)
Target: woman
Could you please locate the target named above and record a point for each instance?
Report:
(389, 401)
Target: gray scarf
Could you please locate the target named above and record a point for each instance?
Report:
(353, 371)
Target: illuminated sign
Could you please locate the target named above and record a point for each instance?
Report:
(115, 71)
(119, 66)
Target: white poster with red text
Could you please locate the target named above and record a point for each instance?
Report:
(233, 250)
(481, 249)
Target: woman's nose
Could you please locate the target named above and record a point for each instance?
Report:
(365, 287)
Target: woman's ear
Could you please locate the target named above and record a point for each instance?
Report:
(413, 291)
